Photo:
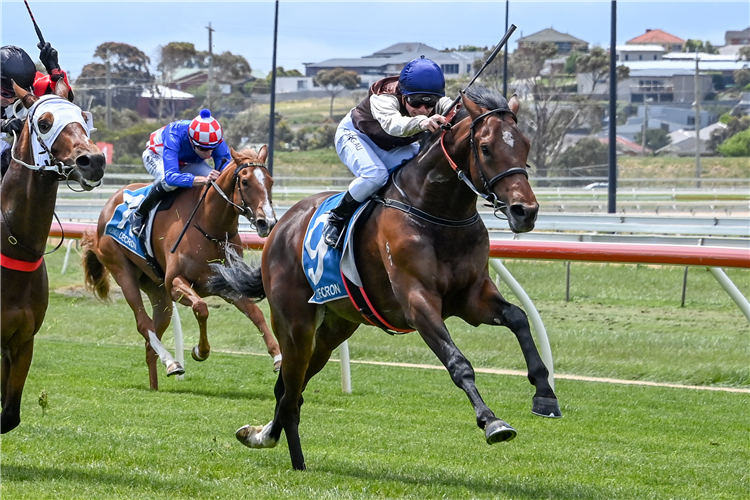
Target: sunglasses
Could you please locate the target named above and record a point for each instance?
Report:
(8, 94)
(427, 100)
(202, 148)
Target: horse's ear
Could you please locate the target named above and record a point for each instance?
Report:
(473, 109)
(26, 97)
(63, 90)
(514, 104)
(263, 153)
(234, 155)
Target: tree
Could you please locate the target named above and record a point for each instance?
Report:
(582, 159)
(334, 81)
(738, 145)
(552, 112)
(745, 53)
(129, 75)
(698, 46)
(656, 138)
(742, 77)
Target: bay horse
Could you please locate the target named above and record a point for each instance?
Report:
(53, 146)
(423, 256)
(243, 188)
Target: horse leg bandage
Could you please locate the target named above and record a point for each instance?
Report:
(161, 351)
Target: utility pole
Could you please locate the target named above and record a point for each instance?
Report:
(612, 177)
(210, 65)
(697, 124)
(645, 124)
(272, 117)
(109, 95)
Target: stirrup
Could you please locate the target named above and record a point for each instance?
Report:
(333, 236)
(137, 224)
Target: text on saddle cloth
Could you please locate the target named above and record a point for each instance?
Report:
(322, 264)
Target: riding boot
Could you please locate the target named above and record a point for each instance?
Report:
(139, 216)
(333, 231)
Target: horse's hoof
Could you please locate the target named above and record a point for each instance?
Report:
(175, 368)
(197, 354)
(277, 363)
(546, 407)
(498, 431)
(255, 436)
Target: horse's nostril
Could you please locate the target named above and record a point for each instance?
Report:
(83, 161)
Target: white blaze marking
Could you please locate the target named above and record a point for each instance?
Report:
(508, 138)
(267, 209)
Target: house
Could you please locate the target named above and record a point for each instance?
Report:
(664, 80)
(683, 141)
(171, 101)
(670, 42)
(390, 60)
(668, 118)
(737, 37)
(192, 78)
(565, 43)
(639, 52)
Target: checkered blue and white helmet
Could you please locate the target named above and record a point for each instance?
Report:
(205, 131)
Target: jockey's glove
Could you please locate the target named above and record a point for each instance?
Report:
(48, 56)
(12, 125)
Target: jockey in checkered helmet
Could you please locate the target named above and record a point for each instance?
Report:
(177, 155)
(205, 131)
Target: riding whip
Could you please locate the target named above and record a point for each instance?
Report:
(495, 52)
(187, 224)
(36, 27)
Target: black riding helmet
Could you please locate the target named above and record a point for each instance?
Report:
(16, 66)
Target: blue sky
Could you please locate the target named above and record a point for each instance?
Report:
(311, 31)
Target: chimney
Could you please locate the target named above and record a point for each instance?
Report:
(647, 30)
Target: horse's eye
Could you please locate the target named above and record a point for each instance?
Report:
(485, 150)
(244, 182)
(44, 126)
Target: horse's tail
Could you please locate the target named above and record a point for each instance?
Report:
(96, 276)
(236, 278)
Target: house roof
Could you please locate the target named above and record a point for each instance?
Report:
(550, 35)
(166, 93)
(396, 59)
(655, 36)
(400, 48)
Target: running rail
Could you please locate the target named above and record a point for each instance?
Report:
(713, 258)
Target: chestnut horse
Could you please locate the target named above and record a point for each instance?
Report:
(422, 255)
(54, 145)
(243, 188)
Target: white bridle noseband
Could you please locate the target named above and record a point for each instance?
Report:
(64, 113)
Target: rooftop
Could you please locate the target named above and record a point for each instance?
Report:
(655, 36)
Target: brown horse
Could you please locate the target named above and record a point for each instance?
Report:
(55, 130)
(423, 256)
(243, 188)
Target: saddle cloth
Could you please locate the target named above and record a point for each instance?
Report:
(119, 228)
(323, 265)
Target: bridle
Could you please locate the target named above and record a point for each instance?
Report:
(52, 164)
(497, 205)
(244, 208)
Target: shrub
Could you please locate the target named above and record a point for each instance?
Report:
(737, 145)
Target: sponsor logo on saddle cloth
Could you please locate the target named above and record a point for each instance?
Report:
(119, 228)
(321, 263)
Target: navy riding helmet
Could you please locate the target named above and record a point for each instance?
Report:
(422, 76)
(16, 66)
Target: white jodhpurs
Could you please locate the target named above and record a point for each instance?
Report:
(154, 163)
(371, 164)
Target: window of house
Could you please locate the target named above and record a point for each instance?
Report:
(468, 68)
(640, 57)
(627, 57)
(691, 120)
(449, 69)
(301, 84)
